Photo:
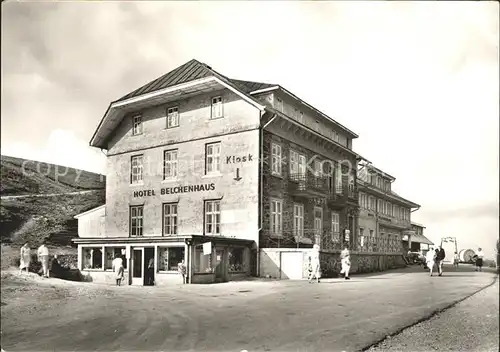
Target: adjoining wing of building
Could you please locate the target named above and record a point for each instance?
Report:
(236, 178)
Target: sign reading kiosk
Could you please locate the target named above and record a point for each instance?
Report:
(175, 190)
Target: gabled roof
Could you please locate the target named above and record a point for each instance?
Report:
(191, 71)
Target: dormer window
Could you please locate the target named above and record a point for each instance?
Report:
(137, 125)
(279, 104)
(216, 107)
(172, 117)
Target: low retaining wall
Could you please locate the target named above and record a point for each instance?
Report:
(270, 262)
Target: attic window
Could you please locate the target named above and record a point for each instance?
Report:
(216, 107)
(137, 125)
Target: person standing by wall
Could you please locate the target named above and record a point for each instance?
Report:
(43, 257)
(117, 267)
(181, 268)
(479, 259)
(315, 264)
(25, 260)
(345, 259)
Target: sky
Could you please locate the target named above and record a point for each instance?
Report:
(417, 81)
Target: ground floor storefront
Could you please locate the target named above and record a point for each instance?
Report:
(156, 260)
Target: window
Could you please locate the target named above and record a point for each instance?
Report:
(137, 125)
(276, 220)
(389, 209)
(111, 252)
(169, 258)
(201, 261)
(212, 217)
(170, 164)
(336, 137)
(298, 220)
(373, 204)
(361, 237)
(379, 181)
(335, 227)
(170, 219)
(216, 107)
(136, 220)
(212, 158)
(275, 159)
(379, 206)
(172, 117)
(294, 162)
(318, 225)
(301, 117)
(338, 178)
(236, 260)
(279, 104)
(92, 258)
(137, 168)
(317, 125)
(296, 113)
(318, 168)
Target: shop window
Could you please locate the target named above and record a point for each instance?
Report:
(169, 258)
(110, 256)
(236, 260)
(92, 258)
(202, 261)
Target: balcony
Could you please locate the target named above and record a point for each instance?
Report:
(305, 239)
(308, 185)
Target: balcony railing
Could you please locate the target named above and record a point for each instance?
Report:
(309, 183)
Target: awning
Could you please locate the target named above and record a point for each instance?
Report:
(417, 238)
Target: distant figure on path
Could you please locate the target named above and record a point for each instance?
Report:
(345, 259)
(456, 259)
(181, 268)
(117, 267)
(315, 264)
(430, 259)
(479, 259)
(25, 258)
(43, 257)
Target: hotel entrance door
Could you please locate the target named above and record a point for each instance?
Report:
(138, 266)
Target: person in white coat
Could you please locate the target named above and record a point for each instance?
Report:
(315, 264)
(43, 257)
(345, 259)
(430, 259)
(118, 269)
(25, 260)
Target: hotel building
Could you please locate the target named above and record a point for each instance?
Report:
(211, 170)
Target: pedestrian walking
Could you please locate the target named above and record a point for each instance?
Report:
(430, 259)
(182, 269)
(151, 271)
(440, 255)
(345, 259)
(456, 259)
(479, 259)
(118, 269)
(25, 260)
(43, 257)
(314, 264)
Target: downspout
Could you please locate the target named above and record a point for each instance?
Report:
(261, 196)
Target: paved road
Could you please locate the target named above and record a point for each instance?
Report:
(471, 325)
(334, 315)
(49, 194)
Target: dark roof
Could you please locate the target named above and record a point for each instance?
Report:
(248, 87)
(191, 71)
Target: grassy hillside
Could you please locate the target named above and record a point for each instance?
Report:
(35, 219)
(21, 176)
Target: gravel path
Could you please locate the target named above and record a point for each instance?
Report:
(471, 325)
